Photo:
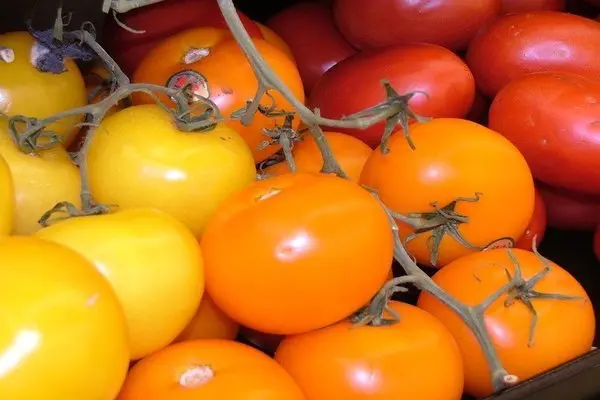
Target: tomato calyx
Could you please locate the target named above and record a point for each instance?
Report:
(33, 138)
(196, 376)
(68, 210)
(285, 136)
(7, 55)
(399, 113)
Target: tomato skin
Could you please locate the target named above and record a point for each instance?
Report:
(288, 250)
(355, 84)
(565, 328)
(7, 199)
(158, 21)
(570, 210)
(209, 322)
(518, 6)
(66, 321)
(441, 170)
(384, 23)
(310, 31)
(238, 372)
(228, 76)
(273, 38)
(536, 227)
(331, 363)
(534, 48)
(349, 152)
(551, 117)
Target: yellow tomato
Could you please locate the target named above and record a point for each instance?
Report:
(209, 323)
(24, 90)
(271, 37)
(62, 331)
(138, 158)
(7, 199)
(153, 263)
(40, 181)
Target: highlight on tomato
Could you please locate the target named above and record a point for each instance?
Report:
(396, 361)
(212, 62)
(209, 322)
(446, 208)
(536, 227)
(564, 328)
(305, 236)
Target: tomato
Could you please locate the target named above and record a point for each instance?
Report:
(350, 153)
(386, 362)
(40, 181)
(291, 226)
(24, 90)
(448, 23)
(517, 6)
(553, 119)
(537, 225)
(441, 170)
(7, 199)
(564, 329)
(209, 323)
(224, 75)
(355, 84)
(597, 242)
(157, 21)
(209, 369)
(570, 210)
(60, 323)
(310, 31)
(539, 41)
(273, 38)
(138, 158)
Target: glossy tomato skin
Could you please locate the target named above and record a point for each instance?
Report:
(536, 227)
(552, 118)
(331, 363)
(441, 170)
(350, 153)
(209, 322)
(24, 90)
(128, 248)
(289, 249)
(539, 41)
(60, 322)
(517, 6)
(310, 31)
(565, 328)
(225, 77)
(209, 369)
(382, 23)
(570, 210)
(355, 84)
(158, 21)
(7, 199)
(138, 158)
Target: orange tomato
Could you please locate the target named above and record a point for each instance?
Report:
(300, 240)
(211, 60)
(209, 322)
(454, 158)
(273, 38)
(565, 328)
(209, 369)
(61, 325)
(385, 362)
(351, 153)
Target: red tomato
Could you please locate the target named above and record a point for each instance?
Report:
(516, 6)
(570, 210)
(537, 225)
(159, 21)
(521, 43)
(355, 84)
(597, 243)
(317, 45)
(552, 118)
(382, 23)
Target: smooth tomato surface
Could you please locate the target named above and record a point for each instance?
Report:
(521, 43)
(355, 84)
(537, 225)
(350, 153)
(24, 90)
(310, 31)
(340, 362)
(224, 75)
(382, 23)
(570, 210)
(553, 119)
(60, 322)
(441, 169)
(296, 235)
(564, 330)
(209, 322)
(209, 369)
(517, 6)
(7, 199)
(138, 158)
(153, 263)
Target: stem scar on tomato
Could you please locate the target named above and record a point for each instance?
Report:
(196, 376)
(7, 55)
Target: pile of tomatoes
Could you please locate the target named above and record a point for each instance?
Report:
(197, 238)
